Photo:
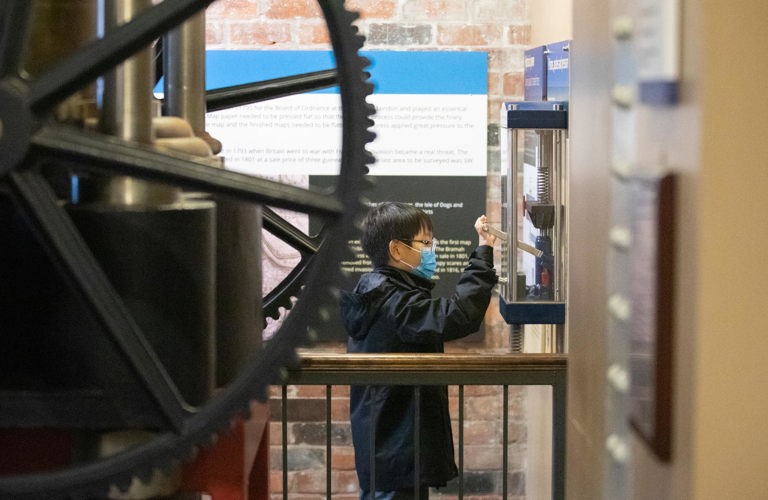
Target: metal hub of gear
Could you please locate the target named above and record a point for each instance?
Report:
(132, 376)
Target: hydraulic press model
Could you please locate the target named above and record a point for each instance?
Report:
(534, 214)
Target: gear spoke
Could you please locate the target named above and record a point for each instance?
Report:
(63, 238)
(88, 150)
(11, 37)
(100, 56)
(288, 233)
(307, 246)
(239, 95)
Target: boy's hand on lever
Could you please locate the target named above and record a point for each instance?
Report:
(481, 225)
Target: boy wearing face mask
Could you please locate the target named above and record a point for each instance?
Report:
(392, 309)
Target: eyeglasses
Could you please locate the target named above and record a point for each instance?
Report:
(431, 244)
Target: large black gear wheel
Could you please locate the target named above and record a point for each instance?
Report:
(32, 144)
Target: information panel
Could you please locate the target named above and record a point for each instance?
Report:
(430, 146)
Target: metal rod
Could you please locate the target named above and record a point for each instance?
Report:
(284, 414)
(127, 96)
(328, 454)
(505, 441)
(417, 442)
(184, 74)
(512, 200)
(461, 442)
(559, 425)
(127, 110)
(372, 447)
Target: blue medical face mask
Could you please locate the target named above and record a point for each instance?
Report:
(428, 263)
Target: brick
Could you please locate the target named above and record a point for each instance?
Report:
(513, 86)
(341, 434)
(517, 432)
(373, 9)
(298, 496)
(519, 34)
(443, 10)
(300, 458)
(499, 10)
(463, 35)
(346, 496)
(343, 458)
(214, 33)
(340, 409)
(291, 9)
(343, 482)
(395, 34)
(481, 390)
(494, 104)
(482, 432)
(276, 481)
(314, 34)
(482, 408)
(305, 410)
(494, 88)
(308, 481)
(309, 433)
(341, 391)
(506, 59)
(250, 34)
(496, 58)
(276, 432)
(481, 458)
(474, 483)
(233, 9)
(516, 483)
(308, 391)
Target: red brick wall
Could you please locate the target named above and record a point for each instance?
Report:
(499, 27)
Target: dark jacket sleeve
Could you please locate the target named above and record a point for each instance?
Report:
(421, 319)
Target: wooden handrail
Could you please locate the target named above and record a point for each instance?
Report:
(418, 362)
(421, 368)
(417, 369)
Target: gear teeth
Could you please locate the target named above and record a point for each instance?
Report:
(201, 428)
(370, 159)
(121, 486)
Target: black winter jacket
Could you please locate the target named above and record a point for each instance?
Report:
(393, 311)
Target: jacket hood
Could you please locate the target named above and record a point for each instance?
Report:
(361, 306)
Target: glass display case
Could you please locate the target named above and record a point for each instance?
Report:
(533, 225)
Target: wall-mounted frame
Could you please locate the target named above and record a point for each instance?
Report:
(652, 214)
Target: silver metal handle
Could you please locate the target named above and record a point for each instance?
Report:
(520, 244)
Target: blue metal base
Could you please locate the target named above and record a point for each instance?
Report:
(532, 313)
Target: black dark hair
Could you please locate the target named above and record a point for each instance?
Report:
(389, 221)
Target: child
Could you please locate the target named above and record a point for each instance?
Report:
(392, 310)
